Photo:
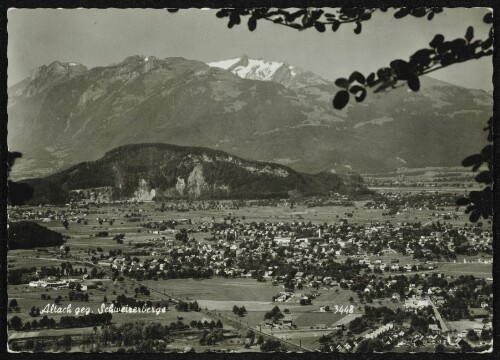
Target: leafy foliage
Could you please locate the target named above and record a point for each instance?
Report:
(480, 203)
(305, 18)
(18, 193)
(439, 54)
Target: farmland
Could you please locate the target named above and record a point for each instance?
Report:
(219, 256)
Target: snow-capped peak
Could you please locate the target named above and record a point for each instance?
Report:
(250, 68)
(258, 69)
(224, 64)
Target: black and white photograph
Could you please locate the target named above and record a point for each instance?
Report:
(250, 180)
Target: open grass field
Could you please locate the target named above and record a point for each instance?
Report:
(217, 293)
(217, 289)
(281, 212)
(459, 268)
(463, 325)
(315, 318)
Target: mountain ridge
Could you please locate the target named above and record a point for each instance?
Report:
(281, 72)
(155, 171)
(73, 114)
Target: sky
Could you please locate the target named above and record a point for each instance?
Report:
(99, 37)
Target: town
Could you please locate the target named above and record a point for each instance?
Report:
(400, 272)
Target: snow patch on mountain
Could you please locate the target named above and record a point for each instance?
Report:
(257, 69)
(224, 64)
(287, 75)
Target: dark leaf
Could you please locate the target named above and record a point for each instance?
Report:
(222, 13)
(444, 47)
(463, 201)
(401, 68)
(366, 17)
(419, 12)
(488, 18)
(361, 95)
(438, 40)
(355, 89)
(472, 160)
(335, 25)
(357, 76)
(316, 14)
(296, 26)
(447, 59)
(236, 18)
(320, 26)
(341, 99)
(487, 152)
(487, 204)
(430, 16)
(476, 166)
(279, 20)
(413, 82)
(252, 23)
(401, 13)
(384, 73)
(469, 34)
(484, 177)
(357, 30)
(474, 216)
(291, 17)
(474, 45)
(422, 58)
(487, 43)
(475, 196)
(370, 80)
(172, 10)
(458, 44)
(306, 20)
(342, 83)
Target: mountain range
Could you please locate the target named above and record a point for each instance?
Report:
(65, 113)
(162, 171)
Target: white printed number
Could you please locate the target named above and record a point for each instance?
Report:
(344, 309)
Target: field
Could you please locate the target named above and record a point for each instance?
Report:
(215, 296)
(217, 289)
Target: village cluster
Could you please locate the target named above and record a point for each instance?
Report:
(403, 264)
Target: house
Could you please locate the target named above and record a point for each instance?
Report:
(284, 241)
(39, 283)
(461, 342)
(434, 328)
(287, 320)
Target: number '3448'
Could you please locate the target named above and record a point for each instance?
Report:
(347, 309)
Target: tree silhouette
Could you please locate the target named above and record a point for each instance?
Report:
(440, 53)
(18, 193)
(16, 323)
(480, 203)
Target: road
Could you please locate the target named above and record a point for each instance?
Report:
(234, 323)
(444, 328)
